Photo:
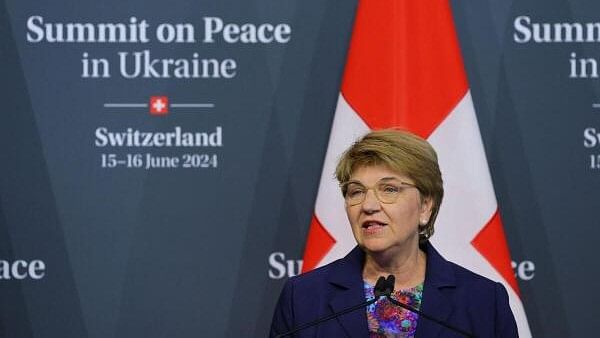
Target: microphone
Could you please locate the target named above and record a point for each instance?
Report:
(388, 289)
(382, 289)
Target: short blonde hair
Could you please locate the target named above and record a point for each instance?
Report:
(405, 153)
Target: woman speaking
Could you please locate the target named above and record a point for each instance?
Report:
(392, 187)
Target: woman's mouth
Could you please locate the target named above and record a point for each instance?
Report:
(372, 227)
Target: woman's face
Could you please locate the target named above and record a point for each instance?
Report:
(379, 226)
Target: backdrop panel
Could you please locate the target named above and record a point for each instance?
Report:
(160, 161)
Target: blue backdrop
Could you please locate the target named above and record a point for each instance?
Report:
(160, 161)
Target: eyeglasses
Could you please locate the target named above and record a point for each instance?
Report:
(386, 191)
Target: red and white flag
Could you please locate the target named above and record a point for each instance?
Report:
(404, 69)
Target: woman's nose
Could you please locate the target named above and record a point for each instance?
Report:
(371, 202)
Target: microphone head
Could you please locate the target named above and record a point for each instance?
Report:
(389, 285)
(380, 287)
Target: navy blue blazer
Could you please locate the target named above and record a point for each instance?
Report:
(451, 293)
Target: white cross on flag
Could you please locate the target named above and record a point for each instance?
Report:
(404, 69)
(159, 105)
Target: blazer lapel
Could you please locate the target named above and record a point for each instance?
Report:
(346, 280)
(355, 322)
(438, 290)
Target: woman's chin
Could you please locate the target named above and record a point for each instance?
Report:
(375, 244)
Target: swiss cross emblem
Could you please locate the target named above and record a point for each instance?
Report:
(159, 105)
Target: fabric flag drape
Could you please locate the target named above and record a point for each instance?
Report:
(404, 69)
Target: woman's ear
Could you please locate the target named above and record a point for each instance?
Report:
(426, 208)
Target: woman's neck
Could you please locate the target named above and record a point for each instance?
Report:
(407, 267)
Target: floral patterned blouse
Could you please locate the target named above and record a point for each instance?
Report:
(387, 320)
